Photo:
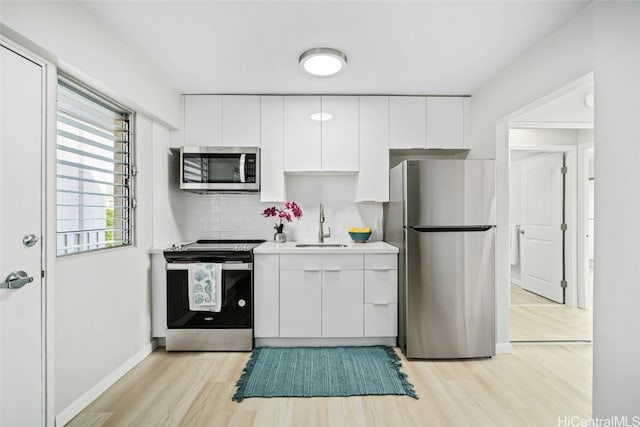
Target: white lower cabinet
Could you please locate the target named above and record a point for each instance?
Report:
(325, 296)
(380, 295)
(342, 300)
(266, 291)
(380, 320)
(300, 303)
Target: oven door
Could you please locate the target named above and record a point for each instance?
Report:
(219, 168)
(237, 296)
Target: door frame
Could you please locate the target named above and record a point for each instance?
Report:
(48, 221)
(583, 224)
(571, 217)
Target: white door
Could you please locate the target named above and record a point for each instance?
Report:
(342, 303)
(541, 238)
(21, 327)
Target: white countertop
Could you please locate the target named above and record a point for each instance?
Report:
(352, 248)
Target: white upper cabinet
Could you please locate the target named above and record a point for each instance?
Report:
(272, 184)
(312, 144)
(445, 122)
(203, 120)
(340, 134)
(373, 179)
(241, 121)
(431, 122)
(222, 120)
(302, 135)
(407, 122)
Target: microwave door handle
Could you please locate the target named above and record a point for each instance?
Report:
(242, 166)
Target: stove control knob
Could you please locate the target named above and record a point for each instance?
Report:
(242, 303)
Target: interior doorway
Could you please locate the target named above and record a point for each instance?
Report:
(543, 185)
(551, 179)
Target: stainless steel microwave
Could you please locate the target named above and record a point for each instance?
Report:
(220, 169)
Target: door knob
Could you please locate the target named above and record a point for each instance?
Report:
(16, 280)
(521, 231)
(30, 240)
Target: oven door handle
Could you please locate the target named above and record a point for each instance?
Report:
(227, 266)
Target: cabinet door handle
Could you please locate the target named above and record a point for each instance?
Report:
(381, 303)
(311, 269)
(331, 269)
(381, 269)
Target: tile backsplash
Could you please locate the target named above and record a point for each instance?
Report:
(238, 216)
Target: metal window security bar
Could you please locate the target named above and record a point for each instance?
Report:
(95, 170)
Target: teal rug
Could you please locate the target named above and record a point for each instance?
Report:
(322, 371)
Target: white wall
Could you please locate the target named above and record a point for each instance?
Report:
(219, 216)
(167, 196)
(102, 299)
(617, 150)
(561, 58)
(86, 50)
(538, 137)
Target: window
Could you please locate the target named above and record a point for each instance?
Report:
(94, 171)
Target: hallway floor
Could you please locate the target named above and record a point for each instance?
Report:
(534, 318)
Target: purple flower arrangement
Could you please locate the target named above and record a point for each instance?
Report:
(291, 210)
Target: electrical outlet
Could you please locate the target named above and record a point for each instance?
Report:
(378, 223)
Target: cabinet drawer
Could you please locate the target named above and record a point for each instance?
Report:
(380, 261)
(342, 262)
(381, 286)
(380, 320)
(321, 262)
(300, 262)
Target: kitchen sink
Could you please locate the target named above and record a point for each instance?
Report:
(320, 245)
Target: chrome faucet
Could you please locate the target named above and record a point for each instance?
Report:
(321, 233)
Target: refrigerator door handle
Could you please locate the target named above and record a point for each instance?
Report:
(452, 228)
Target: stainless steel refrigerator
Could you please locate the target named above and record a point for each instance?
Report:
(441, 215)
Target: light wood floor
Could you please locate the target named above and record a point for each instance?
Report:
(534, 318)
(530, 387)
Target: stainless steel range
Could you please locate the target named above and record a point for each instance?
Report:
(230, 328)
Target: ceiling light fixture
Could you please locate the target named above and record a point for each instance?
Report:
(323, 61)
(588, 100)
(321, 117)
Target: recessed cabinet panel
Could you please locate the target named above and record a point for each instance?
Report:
(272, 184)
(300, 303)
(302, 135)
(241, 120)
(340, 134)
(407, 122)
(373, 178)
(445, 122)
(203, 120)
(342, 303)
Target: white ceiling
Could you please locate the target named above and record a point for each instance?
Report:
(415, 47)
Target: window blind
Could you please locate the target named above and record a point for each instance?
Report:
(94, 171)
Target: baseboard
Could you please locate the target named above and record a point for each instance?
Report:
(503, 347)
(516, 282)
(83, 401)
(328, 342)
